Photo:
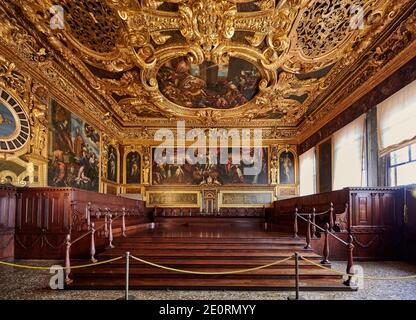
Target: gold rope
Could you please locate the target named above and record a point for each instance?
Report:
(48, 268)
(210, 273)
(354, 275)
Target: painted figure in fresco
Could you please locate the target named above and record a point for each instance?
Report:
(112, 164)
(78, 144)
(73, 161)
(211, 170)
(208, 85)
(133, 168)
(287, 168)
(91, 133)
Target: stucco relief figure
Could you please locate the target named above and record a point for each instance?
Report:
(146, 169)
(274, 169)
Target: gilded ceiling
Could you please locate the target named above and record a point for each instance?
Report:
(224, 62)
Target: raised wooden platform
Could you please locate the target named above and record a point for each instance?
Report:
(210, 248)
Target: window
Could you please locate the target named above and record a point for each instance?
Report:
(307, 173)
(396, 117)
(348, 160)
(402, 166)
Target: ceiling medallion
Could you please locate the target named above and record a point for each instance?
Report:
(208, 85)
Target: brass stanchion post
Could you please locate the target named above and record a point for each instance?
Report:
(127, 296)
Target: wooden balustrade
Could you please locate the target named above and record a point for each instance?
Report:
(68, 259)
(314, 224)
(295, 225)
(44, 216)
(308, 233)
(92, 248)
(374, 216)
(325, 256)
(110, 232)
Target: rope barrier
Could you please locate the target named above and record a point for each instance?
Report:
(48, 268)
(212, 273)
(359, 276)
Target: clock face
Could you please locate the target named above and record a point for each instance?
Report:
(14, 124)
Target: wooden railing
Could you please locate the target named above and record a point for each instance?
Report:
(328, 230)
(109, 216)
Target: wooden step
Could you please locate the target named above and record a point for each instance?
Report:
(206, 246)
(248, 254)
(174, 262)
(205, 251)
(148, 270)
(210, 284)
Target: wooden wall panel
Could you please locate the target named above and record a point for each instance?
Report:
(374, 216)
(46, 215)
(7, 221)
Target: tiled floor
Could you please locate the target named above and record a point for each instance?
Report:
(33, 284)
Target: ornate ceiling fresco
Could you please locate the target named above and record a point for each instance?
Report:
(265, 63)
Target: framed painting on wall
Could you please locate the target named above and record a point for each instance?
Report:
(287, 167)
(133, 168)
(112, 164)
(74, 151)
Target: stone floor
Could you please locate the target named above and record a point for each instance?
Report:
(33, 284)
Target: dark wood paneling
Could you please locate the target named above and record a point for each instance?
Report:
(7, 221)
(46, 215)
(324, 166)
(374, 216)
(409, 228)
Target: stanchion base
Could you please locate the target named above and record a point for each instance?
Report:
(130, 298)
(291, 298)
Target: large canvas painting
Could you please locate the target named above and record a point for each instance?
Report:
(73, 151)
(287, 168)
(112, 164)
(208, 84)
(133, 162)
(212, 172)
(8, 125)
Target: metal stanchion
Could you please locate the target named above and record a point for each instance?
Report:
(297, 296)
(126, 290)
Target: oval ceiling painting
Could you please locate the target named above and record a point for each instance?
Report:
(209, 85)
(14, 125)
